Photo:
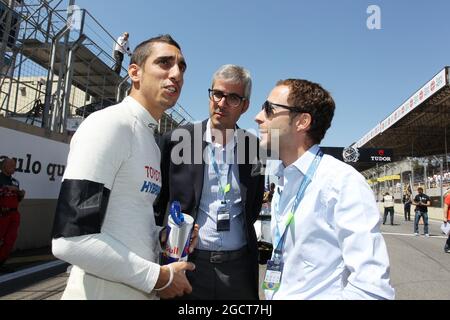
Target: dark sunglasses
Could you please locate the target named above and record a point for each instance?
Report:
(268, 108)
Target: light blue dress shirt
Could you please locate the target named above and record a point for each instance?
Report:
(209, 238)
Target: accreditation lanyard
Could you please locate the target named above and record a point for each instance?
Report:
(274, 269)
(223, 190)
(280, 240)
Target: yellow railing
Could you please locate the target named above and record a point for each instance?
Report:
(385, 178)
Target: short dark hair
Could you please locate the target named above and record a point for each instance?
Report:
(314, 100)
(144, 49)
(420, 189)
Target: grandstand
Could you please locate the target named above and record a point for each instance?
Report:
(418, 133)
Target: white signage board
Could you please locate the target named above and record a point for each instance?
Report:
(40, 162)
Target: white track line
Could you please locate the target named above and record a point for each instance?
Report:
(411, 235)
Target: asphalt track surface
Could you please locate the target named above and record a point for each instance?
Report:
(420, 269)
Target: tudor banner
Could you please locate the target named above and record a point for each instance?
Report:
(353, 155)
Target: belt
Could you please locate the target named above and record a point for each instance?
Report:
(220, 256)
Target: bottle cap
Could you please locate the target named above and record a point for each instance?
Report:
(175, 213)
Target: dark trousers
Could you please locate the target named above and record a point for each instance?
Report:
(386, 211)
(228, 280)
(407, 209)
(118, 56)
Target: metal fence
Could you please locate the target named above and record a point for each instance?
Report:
(56, 63)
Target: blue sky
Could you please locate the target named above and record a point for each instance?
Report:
(368, 72)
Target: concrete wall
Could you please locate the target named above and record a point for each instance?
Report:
(36, 224)
(29, 91)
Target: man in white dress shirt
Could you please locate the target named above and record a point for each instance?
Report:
(325, 225)
(121, 47)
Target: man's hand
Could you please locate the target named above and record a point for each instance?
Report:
(194, 238)
(180, 284)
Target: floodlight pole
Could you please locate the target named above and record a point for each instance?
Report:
(425, 177)
(446, 150)
(401, 181)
